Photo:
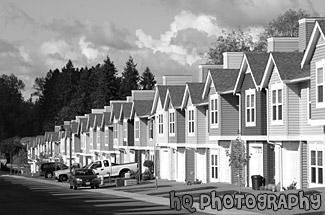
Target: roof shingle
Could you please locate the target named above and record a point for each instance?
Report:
(224, 79)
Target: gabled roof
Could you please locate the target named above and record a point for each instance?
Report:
(125, 110)
(142, 108)
(106, 120)
(318, 31)
(288, 66)
(55, 136)
(116, 109)
(174, 95)
(98, 119)
(194, 91)
(256, 62)
(83, 125)
(160, 93)
(74, 127)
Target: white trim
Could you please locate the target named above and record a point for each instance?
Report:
(171, 111)
(216, 109)
(249, 93)
(268, 71)
(308, 107)
(316, 122)
(160, 113)
(276, 87)
(223, 137)
(243, 63)
(136, 120)
(320, 65)
(190, 109)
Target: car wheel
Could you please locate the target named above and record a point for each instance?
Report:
(63, 178)
(71, 187)
(75, 187)
(92, 187)
(122, 174)
(48, 175)
(97, 186)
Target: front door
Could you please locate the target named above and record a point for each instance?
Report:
(256, 160)
(181, 164)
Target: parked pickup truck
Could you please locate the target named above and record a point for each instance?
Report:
(106, 168)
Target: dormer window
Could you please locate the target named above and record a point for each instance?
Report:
(137, 128)
(250, 101)
(172, 122)
(191, 121)
(320, 67)
(214, 111)
(160, 123)
(277, 103)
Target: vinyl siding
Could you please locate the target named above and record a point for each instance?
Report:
(143, 131)
(260, 128)
(275, 130)
(172, 139)
(281, 45)
(201, 125)
(317, 113)
(180, 125)
(304, 165)
(130, 132)
(189, 162)
(293, 96)
(76, 142)
(229, 114)
(191, 139)
(213, 131)
(305, 127)
(305, 31)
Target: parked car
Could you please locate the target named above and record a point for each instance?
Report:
(83, 178)
(63, 175)
(47, 169)
(106, 168)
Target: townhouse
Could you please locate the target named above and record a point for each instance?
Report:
(272, 101)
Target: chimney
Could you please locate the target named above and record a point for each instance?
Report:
(107, 108)
(143, 94)
(129, 99)
(282, 44)
(204, 70)
(176, 79)
(306, 26)
(97, 110)
(232, 60)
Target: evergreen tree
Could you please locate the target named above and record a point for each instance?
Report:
(130, 79)
(147, 81)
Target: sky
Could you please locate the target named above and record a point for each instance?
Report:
(168, 36)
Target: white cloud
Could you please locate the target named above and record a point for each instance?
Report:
(88, 49)
(184, 20)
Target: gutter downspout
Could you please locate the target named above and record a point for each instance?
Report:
(271, 142)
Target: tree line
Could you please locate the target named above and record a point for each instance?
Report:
(68, 92)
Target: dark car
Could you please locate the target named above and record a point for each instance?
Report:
(47, 169)
(83, 178)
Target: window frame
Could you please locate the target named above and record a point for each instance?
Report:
(171, 123)
(276, 88)
(316, 166)
(160, 122)
(320, 64)
(249, 93)
(151, 129)
(125, 129)
(214, 112)
(136, 130)
(191, 121)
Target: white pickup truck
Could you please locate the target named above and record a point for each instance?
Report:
(106, 168)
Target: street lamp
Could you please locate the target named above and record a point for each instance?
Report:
(70, 145)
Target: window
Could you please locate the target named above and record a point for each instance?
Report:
(106, 163)
(160, 124)
(125, 129)
(308, 103)
(250, 107)
(191, 121)
(115, 131)
(214, 111)
(151, 128)
(320, 67)
(214, 166)
(316, 165)
(137, 129)
(172, 122)
(277, 103)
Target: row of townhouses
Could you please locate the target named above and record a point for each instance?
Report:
(274, 102)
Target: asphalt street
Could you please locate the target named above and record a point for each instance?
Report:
(28, 197)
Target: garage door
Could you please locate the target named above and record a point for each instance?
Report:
(164, 163)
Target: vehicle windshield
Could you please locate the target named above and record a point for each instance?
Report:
(87, 166)
(84, 172)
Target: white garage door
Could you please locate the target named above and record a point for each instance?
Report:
(164, 163)
(201, 165)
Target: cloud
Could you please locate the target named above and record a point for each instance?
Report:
(200, 26)
(88, 49)
(13, 14)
